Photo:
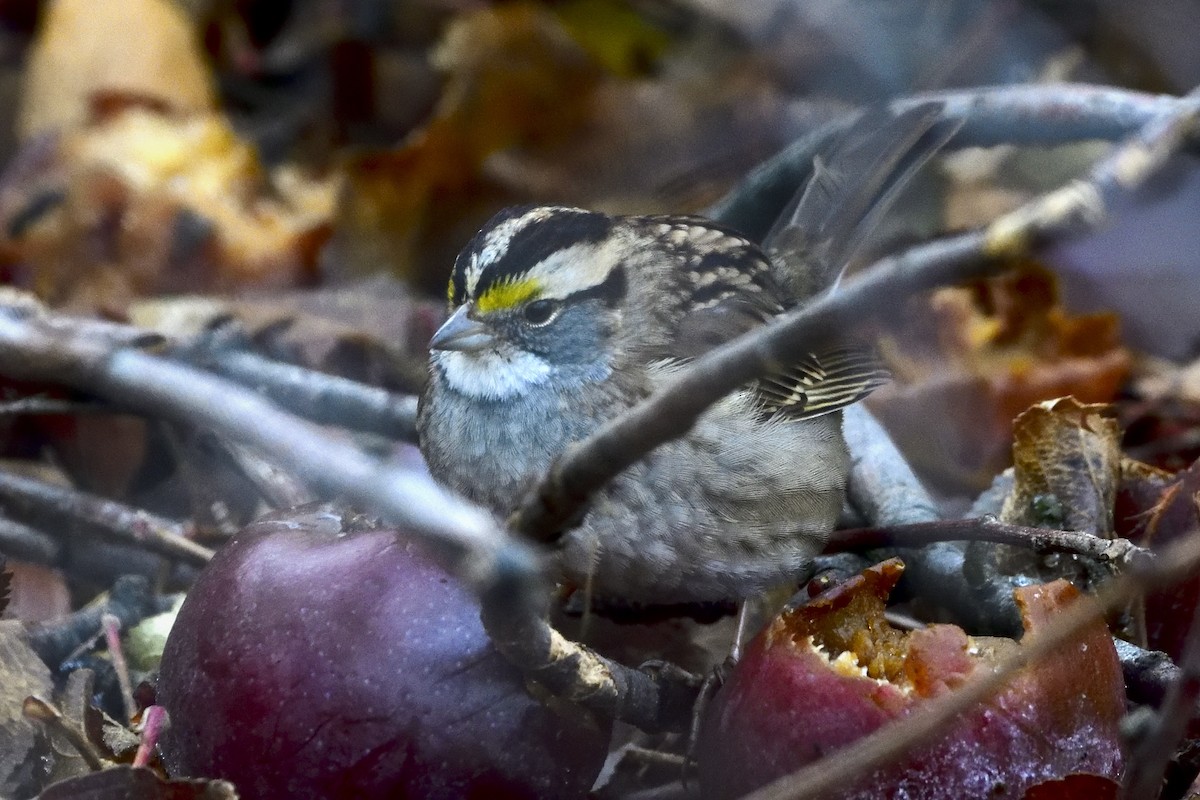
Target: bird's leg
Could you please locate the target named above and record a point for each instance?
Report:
(708, 689)
(739, 634)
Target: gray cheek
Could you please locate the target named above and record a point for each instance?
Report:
(578, 341)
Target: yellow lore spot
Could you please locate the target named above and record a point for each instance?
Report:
(508, 294)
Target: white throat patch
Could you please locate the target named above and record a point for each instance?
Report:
(491, 375)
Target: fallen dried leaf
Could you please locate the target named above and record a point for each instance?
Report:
(22, 742)
(966, 361)
(1066, 459)
(144, 48)
(39, 593)
(1154, 508)
(513, 76)
(146, 202)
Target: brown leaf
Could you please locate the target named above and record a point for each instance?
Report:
(966, 361)
(513, 77)
(1066, 459)
(22, 674)
(1162, 417)
(141, 202)
(145, 48)
(1154, 509)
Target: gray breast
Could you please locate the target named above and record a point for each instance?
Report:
(737, 507)
(492, 451)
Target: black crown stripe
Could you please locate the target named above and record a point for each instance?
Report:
(563, 228)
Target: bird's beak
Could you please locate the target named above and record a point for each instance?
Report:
(462, 333)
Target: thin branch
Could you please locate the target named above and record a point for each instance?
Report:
(1036, 115)
(989, 529)
(317, 396)
(653, 700)
(27, 497)
(45, 347)
(669, 413)
(888, 744)
(882, 486)
(28, 544)
(40, 405)
(130, 600)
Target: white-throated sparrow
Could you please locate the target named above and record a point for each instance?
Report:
(564, 318)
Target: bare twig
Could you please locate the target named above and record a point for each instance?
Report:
(882, 486)
(318, 396)
(652, 700)
(51, 406)
(116, 653)
(990, 529)
(891, 742)
(274, 484)
(44, 501)
(671, 411)
(26, 543)
(1041, 115)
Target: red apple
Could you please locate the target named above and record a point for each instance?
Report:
(310, 662)
(832, 671)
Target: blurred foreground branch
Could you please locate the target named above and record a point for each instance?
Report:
(1121, 552)
(48, 348)
(62, 508)
(1015, 115)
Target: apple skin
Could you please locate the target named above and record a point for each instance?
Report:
(788, 704)
(307, 662)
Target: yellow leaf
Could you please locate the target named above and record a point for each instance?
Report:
(140, 48)
(614, 34)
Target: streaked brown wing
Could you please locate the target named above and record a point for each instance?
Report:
(820, 383)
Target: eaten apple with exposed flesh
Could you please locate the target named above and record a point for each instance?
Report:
(832, 671)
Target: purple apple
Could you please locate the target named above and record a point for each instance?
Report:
(311, 662)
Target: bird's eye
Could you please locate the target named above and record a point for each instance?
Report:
(539, 312)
